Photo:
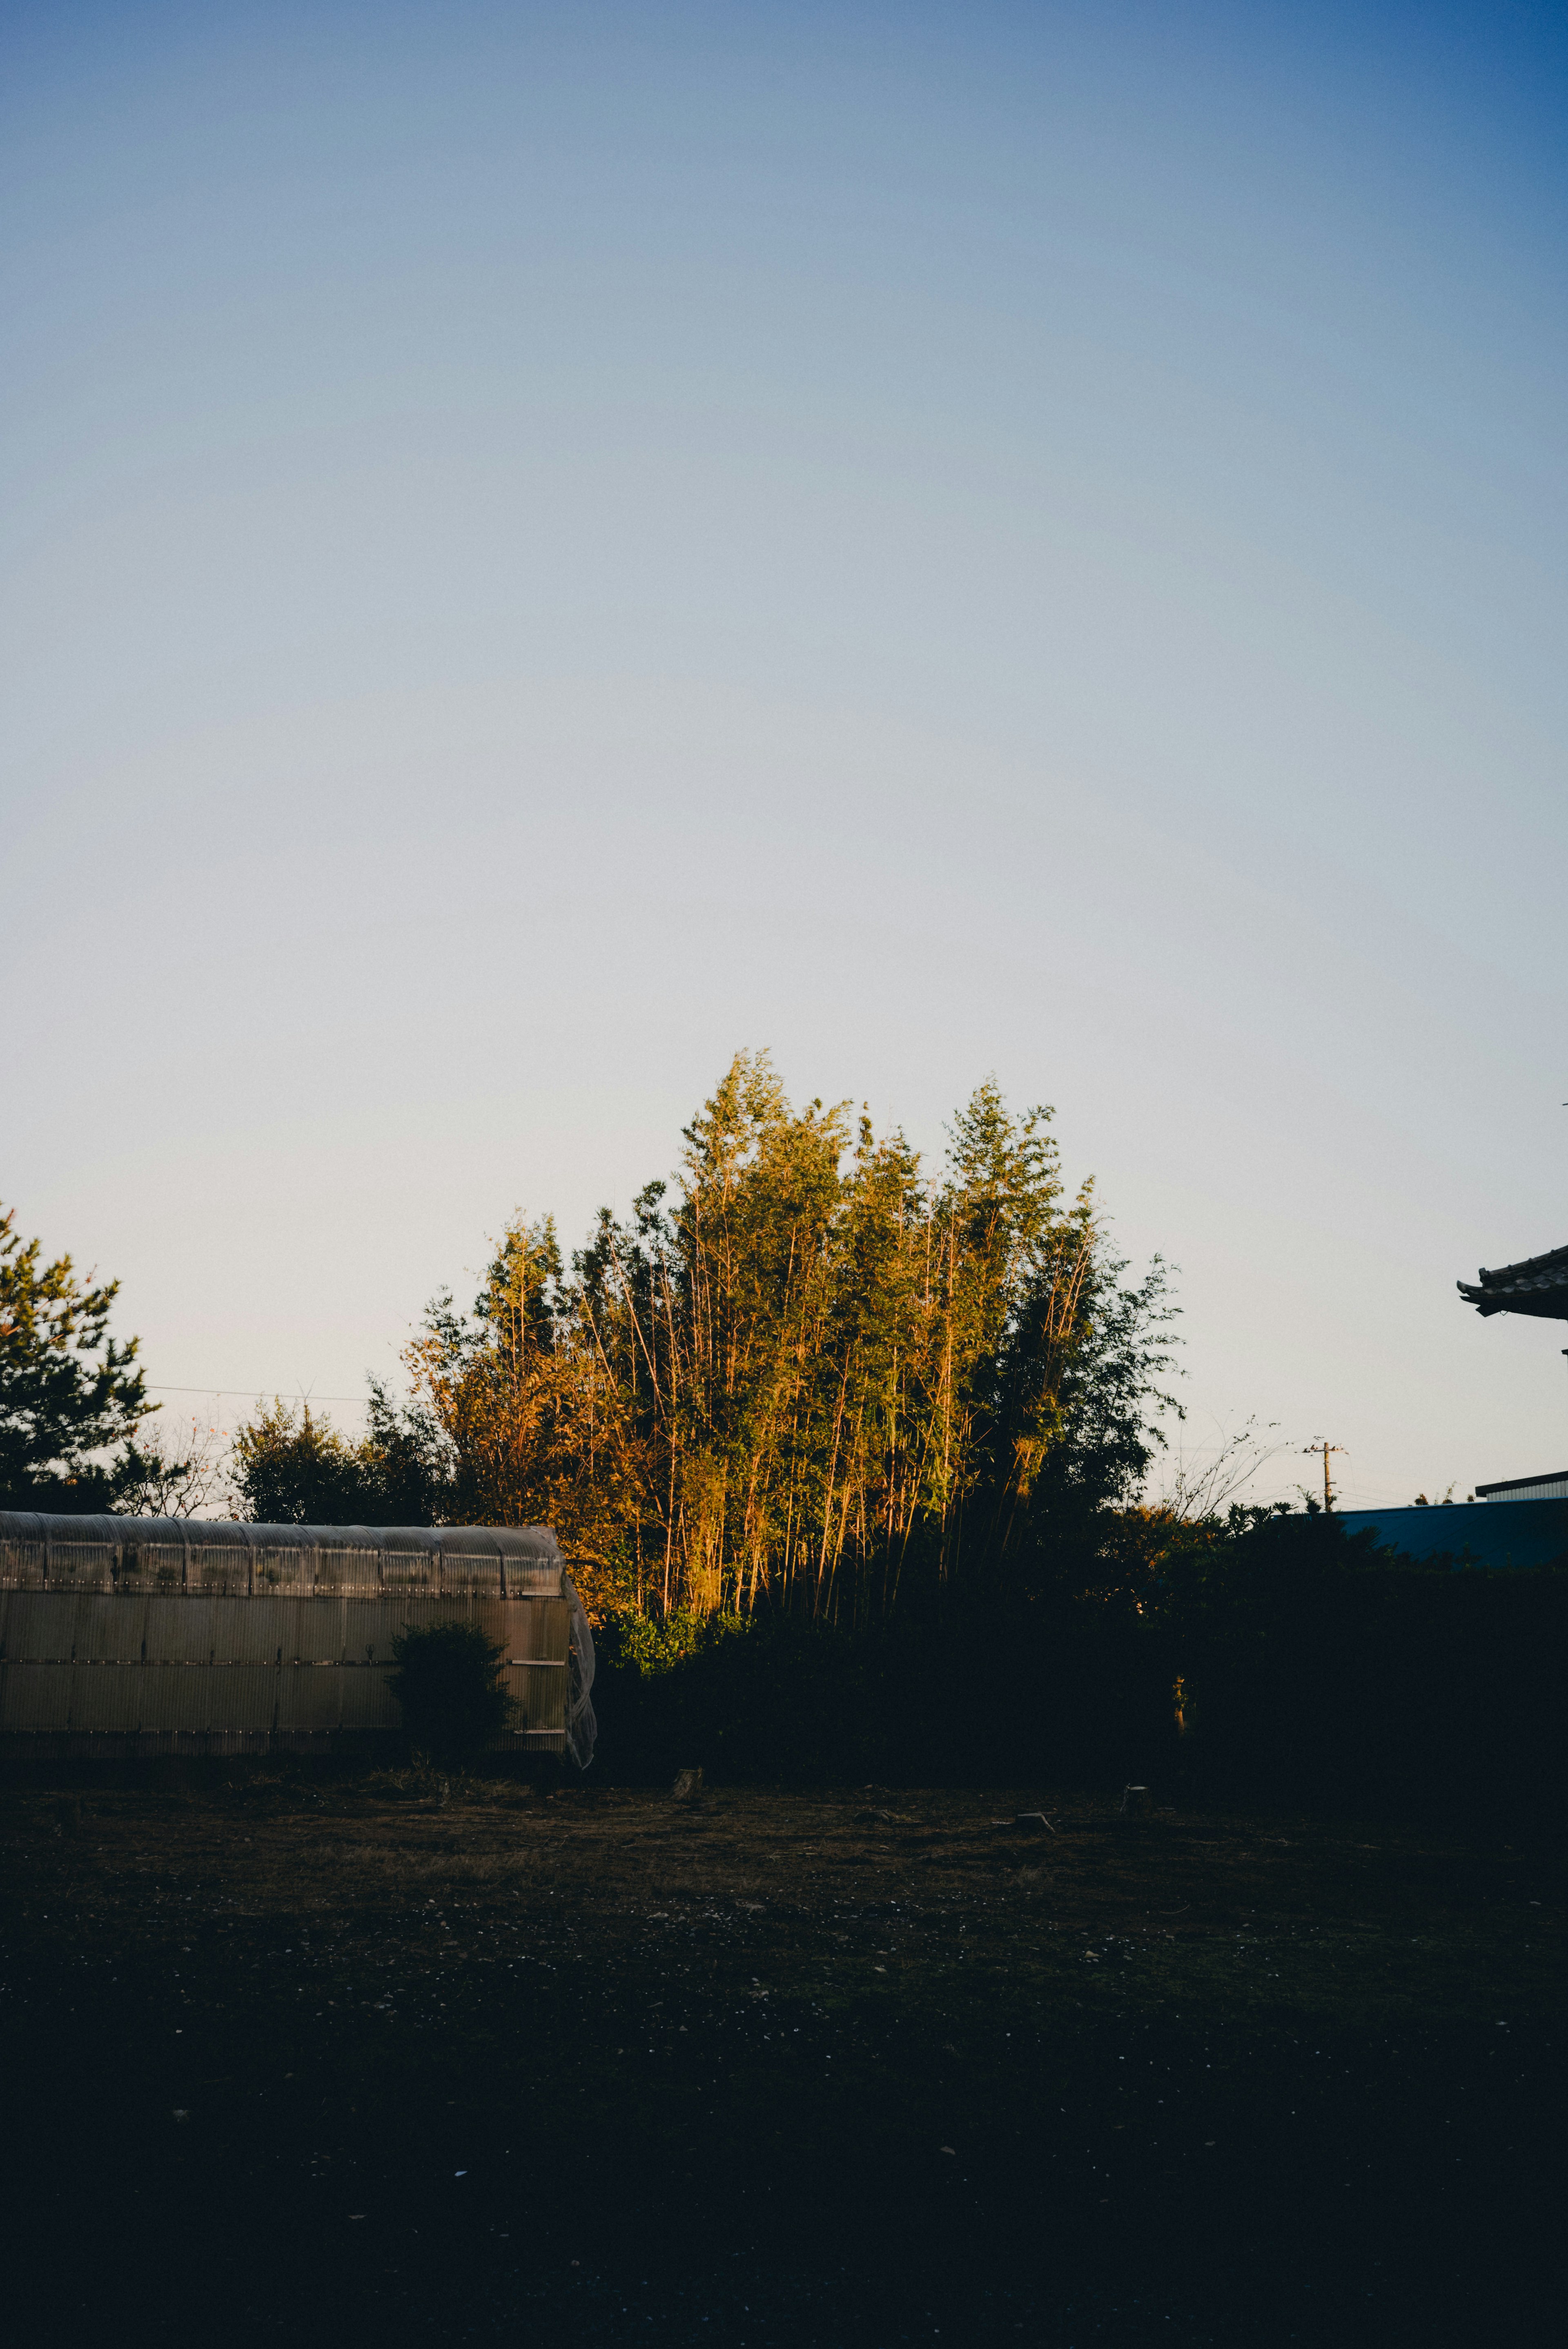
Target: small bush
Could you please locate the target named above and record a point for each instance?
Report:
(449, 1688)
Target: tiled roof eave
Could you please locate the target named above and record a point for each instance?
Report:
(1547, 1299)
(1538, 1286)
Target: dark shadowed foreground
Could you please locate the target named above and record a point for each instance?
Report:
(373, 2061)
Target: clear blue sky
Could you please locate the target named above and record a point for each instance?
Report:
(542, 545)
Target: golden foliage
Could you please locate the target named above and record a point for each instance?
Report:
(808, 1366)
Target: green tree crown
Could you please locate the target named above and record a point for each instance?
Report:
(68, 1391)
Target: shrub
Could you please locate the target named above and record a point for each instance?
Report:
(1320, 1670)
(448, 1685)
(1315, 1671)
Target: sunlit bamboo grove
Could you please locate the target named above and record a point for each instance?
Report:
(805, 1373)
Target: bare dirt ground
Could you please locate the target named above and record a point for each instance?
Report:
(392, 2059)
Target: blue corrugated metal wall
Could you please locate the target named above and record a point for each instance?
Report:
(1475, 1533)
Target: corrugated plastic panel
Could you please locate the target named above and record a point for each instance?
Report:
(532, 1552)
(22, 1565)
(240, 1696)
(41, 1626)
(211, 1665)
(224, 1635)
(279, 1569)
(107, 1629)
(545, 1634)
(416, 1614)
(106, 1696)
(81, 1565)
(474, 1574)
(268, 1630)
(174, 1696)
(316, 1629)
(247, 1630)
(367, 1702)
(540, 1691)
(349, 1570)
(309, 1696)
(182, 1630)
(207, 1631)
(409, 1570)
(160, 1566)
(369, 1627)
(137, 1568)
(537, 1639)
(541, 1576)
(214, 1569)
(36, 1696)
(188, 1629)
(168, 1629)
(496, 1619)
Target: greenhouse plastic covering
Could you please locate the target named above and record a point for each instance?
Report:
(190, 1564)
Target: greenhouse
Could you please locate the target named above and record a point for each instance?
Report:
(141, 1635)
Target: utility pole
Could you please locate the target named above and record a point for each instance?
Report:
(1325, 1449)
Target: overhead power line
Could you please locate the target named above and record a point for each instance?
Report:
(266, 1387)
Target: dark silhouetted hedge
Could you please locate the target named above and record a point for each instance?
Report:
(1313, 1672)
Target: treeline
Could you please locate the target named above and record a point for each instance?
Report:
(848, 1457)
(1262, 1659)
(808, 1377)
